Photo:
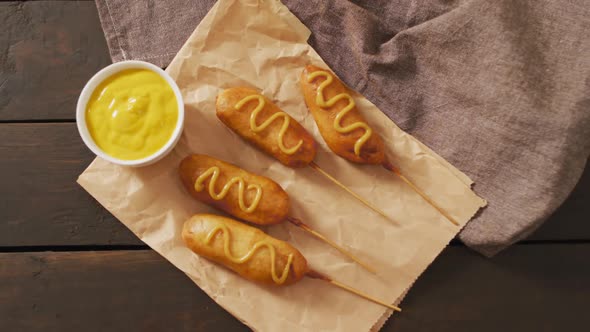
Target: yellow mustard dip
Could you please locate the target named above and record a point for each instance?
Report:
(132, 114)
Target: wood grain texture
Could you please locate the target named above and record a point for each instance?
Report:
(48, 50)
(40, 202)
(529, 288)
(103, 291)
(540, 287)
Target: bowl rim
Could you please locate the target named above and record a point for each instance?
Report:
(91, 86)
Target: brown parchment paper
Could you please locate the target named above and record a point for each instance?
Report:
(263, 45)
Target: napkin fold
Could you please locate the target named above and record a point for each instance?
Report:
(501, 89)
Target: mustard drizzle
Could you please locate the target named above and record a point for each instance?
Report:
(258, 245)
(258, 128)
(213, 172)
(321, 102)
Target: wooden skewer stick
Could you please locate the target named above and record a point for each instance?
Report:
(387, 165)
(306, 228)
(362, 200)
(316, 275)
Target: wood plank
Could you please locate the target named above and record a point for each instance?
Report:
(41, 205)
(48, 50)
(103, 291)
(541, 287)
(529, 288)
(40, 202)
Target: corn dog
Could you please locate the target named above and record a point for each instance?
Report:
(263, 124)
(253, 254)
(244, 249)
(341, 125)
(247, 196)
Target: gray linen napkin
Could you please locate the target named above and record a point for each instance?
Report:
(501, 89)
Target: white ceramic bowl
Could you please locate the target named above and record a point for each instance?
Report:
(87, 93)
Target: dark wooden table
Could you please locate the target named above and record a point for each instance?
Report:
(66, 264)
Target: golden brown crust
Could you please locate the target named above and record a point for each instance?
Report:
(242, 239)
(274, 202)
(267, 139)
(372, 151)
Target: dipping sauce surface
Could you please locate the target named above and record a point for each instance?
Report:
(132, 114)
